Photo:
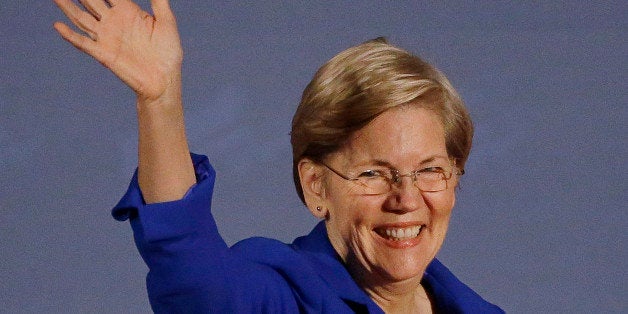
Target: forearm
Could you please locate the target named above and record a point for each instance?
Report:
(165, 170)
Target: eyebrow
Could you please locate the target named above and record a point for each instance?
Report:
(385, 163)
(433, 158)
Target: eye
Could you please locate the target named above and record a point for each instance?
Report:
(435, 169)
(371, 174)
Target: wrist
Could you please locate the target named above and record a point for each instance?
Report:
(163, 88)
(166, 101)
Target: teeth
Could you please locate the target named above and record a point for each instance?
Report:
(399, 234)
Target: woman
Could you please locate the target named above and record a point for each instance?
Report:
(379, 141)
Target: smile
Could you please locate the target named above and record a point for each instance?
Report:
(399, 234)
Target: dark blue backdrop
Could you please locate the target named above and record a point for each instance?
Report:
(540, 224)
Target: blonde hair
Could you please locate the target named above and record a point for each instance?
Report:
(360, 83)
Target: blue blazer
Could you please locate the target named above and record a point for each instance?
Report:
(192, 270)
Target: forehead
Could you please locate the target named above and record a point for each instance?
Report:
(405, 134)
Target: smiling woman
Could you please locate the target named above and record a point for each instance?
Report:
(379, 140)
(388, 239)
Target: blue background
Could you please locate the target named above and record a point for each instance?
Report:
(540, 223)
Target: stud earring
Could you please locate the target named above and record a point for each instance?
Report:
(318, 208)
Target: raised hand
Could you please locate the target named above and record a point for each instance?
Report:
(143, 50)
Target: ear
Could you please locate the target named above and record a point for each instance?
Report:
(311, 178)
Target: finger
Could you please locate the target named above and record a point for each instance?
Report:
(79, 41)
(161, 10)
(95, 7)
(78, 17)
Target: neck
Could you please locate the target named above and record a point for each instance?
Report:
(407, 296)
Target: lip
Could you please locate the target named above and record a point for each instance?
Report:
(379, 234)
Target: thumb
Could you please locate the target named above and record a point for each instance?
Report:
(161, 10)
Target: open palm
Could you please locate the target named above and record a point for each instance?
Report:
(143, 50)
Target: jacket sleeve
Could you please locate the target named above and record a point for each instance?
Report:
(191, 269)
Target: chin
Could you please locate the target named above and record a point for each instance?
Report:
(400, 260)
(402, 268)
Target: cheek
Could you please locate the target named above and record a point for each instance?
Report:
(441, 208)
(344, 222)
(449, 197)
(347, 214)
(350, 215)
(451, 200)
(341, 208)
(441, 205)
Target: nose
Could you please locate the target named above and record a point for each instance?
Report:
(405, 196)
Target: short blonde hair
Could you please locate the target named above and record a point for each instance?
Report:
(360, 83)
